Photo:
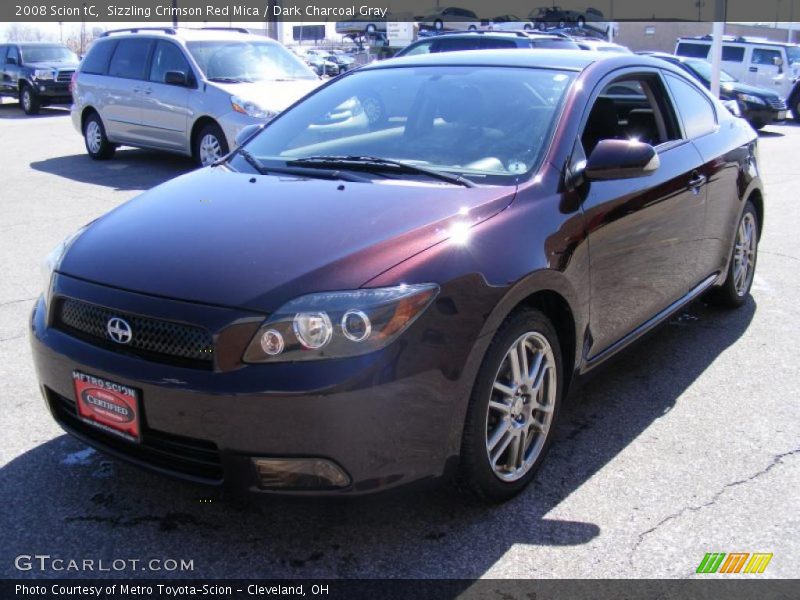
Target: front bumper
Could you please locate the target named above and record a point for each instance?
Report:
(763, 115)
(387, 419)
(233, 122)
(53, 92)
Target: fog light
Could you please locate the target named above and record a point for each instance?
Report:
(42, 88)
(299, 473)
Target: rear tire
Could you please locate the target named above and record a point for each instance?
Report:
(733, 293)
(511, 418)
(94, 137)
(29, 100)
(210, 145)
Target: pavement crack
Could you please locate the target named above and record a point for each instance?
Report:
(9, 302)
(782, 255)
(13, 337)
(776, 460)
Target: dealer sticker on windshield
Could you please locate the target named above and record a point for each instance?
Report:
(109, 406)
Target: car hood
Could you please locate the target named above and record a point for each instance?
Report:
(220, 237)
(52, 64)
(742, 88)
(272, 95)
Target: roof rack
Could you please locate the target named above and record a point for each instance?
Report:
(239, 29)
(167, 30)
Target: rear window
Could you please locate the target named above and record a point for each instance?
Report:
(96, 61)
(692, 50)
(130, 59)
(733, 53)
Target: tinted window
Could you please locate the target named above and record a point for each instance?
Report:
(423, 48)
(693, 50)
(130, 59)
(13, 53)
(762, 56)
(733, 53)
(48, 53)
(453, 44)
(167, 57)
(694, 108)
(96, 61)
(495, 43)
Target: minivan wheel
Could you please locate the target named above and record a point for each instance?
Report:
(210, 145)
(29, 100)
(513, 409)
(94, 137)
(733, 293)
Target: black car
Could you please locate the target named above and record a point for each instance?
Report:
(342, 306)
(37, 74)
(486, 40)
(758, 106)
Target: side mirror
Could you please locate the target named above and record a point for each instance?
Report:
(175, 78)
(620, 159)
(245, 133)
(777, 61)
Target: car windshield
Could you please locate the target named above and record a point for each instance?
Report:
(235, 61)
(488, 124)
(793, 54)
(703, 69)
(36, 54)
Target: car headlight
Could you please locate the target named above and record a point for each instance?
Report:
(251, 109)
(751, 99)
(339, 324)
(44, 74)
(52, 261)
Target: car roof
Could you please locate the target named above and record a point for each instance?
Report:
(190, 33)
(727, 39)
(572, 60)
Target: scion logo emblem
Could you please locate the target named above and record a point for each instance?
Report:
(119, 330)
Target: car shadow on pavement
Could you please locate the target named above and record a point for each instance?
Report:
(12, 110)
(130, 169)
(62, 498)
(766, 133)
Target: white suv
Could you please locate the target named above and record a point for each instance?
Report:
(183, 90)
(770, 65)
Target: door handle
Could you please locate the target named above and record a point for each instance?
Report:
(137, 90)
(696, 182)
(148, 90)
(754, 69)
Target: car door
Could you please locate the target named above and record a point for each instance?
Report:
(763, 70)
(165, 106)
(3, 81)
(127, 71)
(11, 70)
(643, 233)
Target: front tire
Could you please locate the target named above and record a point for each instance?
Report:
(29, 100)
(210, 145)
(94, 137)
(733, 293)
(513, 408)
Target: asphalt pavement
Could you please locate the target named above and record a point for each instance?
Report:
(689, 444)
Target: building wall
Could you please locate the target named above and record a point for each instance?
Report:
(637, 36)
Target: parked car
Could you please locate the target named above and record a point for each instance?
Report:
(486, 40)
(596, 45)
(36, 74)
(759, 62)
(555, 16)
(448, 18)
(759, 106)
(327, 63)
(339, 308)
(509, 23)
(364, 28)
(184, 90)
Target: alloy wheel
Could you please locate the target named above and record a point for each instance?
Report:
(26, 100)
(744, 256)
(210, 149)
(521, 406)
(94, 137)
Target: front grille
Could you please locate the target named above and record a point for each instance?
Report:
(64, 76)
(185, 456)
(777, 103)
(154, 339)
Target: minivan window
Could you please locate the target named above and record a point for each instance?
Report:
(231, 61)
(130, 59)
(167, 57)
(47, 53)
(692, 50)
(96, 61)
(733, 53)
(694, 107)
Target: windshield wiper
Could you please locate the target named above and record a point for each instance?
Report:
(229, 80)
(375, 163)
(263, 169)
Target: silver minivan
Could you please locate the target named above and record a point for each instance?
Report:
(189, 91)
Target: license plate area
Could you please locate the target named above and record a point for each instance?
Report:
(109, 406)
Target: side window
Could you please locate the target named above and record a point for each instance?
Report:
(424, 48)
(446, 44)
(694, 107)
(488, 44)
(167, 57)
(733, 53)
(631, 107)
(130, 58)
(764, 56)
(692, 50)
(96, 61)
(13, 53)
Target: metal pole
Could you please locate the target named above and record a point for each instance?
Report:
(174, 13)
(717, 31)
